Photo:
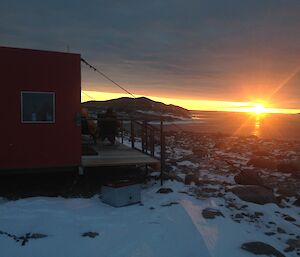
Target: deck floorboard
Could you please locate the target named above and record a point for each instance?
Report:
(117, 155)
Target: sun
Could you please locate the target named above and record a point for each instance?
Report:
(259, 108)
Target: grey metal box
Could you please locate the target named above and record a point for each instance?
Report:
(121, 193)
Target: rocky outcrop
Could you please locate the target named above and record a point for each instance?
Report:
(90, 234)
(292, 167)
(254, 194)
(248, 177)
(293, 243)
(297, 202)
(189, 178)
(164, 190)
(200, 151)
(261, 162)
(260, 248)
(131, 105)
(210, 213)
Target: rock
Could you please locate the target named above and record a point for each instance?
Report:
(261, 152)
(90, 234)
(286, 191)
(289, 167)
(210, 213)
(261, 162)
(281, 230)
(199, 193)
(169, 204)
(164, 190)
(24, 241)
(220, 195)
(183, 192)
(189, 178)
(209, 190)
(172, 177)
(254, 194)
(220, 145)
(285, 167)
(169, 167)
(248, 177)
(289, 249)
(258, 214)
(260, 248)
(270, 233)
(297, 202)
(232, 205)
(37, 236)
(289, 218)
(238, 216)
(295, 243)
(200, 151)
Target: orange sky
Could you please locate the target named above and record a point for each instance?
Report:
(192, 104)
(277, 90)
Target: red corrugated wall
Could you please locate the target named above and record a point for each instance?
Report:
(24, 145)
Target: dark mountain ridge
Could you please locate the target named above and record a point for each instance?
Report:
(131, 105)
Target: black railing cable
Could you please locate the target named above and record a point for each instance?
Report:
(105, 76)
(88, 95)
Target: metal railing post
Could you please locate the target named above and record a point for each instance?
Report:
(152, 144)
(162, 151)
(132, 133)
(122, 131)
(146, 136)
(143, 136)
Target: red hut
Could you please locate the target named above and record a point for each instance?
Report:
(40, 109)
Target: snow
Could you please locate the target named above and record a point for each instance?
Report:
(223, 236)
(188, 164)
(164, 224)
(150, 229)
(135, 230)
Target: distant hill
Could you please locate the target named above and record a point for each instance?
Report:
(141, 105)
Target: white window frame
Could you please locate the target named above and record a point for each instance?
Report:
(38, 92)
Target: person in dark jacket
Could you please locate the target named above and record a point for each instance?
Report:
(108, 126)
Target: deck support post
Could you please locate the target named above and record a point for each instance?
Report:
(152, 143)
(162, 151)
(146, 137)
(132, 134)
(122, 131)
(80, 171)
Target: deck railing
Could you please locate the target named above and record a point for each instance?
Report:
(150, 133)
(150, 136)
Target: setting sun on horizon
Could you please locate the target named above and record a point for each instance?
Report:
(192, 104)
(259, 108)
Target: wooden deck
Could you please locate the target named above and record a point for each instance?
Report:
(118, 155)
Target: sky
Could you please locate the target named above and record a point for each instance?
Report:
(200, 54)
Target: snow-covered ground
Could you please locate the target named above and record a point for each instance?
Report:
(163, 225)
(200, 219)
(147, 229)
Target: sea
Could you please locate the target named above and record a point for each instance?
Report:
(269, 126)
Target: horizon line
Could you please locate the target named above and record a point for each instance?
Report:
(189, 104)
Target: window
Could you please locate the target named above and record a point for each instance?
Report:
(37, 107)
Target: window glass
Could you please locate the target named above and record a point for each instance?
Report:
(38, 107)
